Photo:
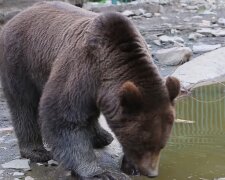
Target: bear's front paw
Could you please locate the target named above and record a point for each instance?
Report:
(36, 154)
(108, 175)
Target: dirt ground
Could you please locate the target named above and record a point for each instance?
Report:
(172, 20)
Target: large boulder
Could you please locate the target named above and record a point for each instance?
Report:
(204, 69)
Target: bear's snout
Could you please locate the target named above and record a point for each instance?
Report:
(149, 165)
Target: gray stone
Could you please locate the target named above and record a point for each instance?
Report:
(157, 42)
(18, 174)
(205, 48)
(139, 12)
(165, 38)
(195, 36)
(221, 21)
(173, 56)
(215, 32)
(147, 15)
(29, 178)
(203, 69)
(17, 164)
(1, 172)
(128, 13)
(192, 7)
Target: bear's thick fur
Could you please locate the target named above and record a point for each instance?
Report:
(61, 66)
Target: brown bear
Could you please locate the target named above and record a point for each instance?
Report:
(61, 66)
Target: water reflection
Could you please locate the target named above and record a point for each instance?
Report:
(197, 150)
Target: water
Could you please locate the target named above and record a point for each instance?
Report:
(196, 150)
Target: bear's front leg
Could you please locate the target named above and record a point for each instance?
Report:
(73, 149)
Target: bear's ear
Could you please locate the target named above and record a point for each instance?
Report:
(173, 86)
(130, 98)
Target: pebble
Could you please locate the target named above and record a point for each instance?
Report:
(221, 21)
(29, 178)
(147, 15)
(195, 36)
(165, 38)
(52, 163)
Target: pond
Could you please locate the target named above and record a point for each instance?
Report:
(196, 149)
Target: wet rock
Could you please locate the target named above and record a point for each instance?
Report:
(17, 164)
(18, 174)
(52, 163)
(128, 13)
(147, 15)
(221, 21)
(173, 56)
(165, 38)
(215, 32)
(195, 36)
(29, 178)
(40, 164)
(204, 68)
(205, 48)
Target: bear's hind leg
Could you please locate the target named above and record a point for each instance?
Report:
(101, 137)
(23, 100)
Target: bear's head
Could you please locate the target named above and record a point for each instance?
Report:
(147, 121)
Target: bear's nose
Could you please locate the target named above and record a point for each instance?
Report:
(153, 173)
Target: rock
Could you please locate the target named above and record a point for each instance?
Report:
(157, 14)
(221, 178)
(40, 164)
(215, 32)
(205, 23)
(205, 48)
(18, 174)
(139, 12)
(173, 56)
(29, 178)
(6, 129)
(192, 7)
(207, 12)
(197, 17)
(214, 20)
(1, 172)
(17, 164)
(221, 21)
(52, 163)
(1, 2)
(157, 42)
(165, 38)
(204, 68)
(147, 15)
(195, 36)
(128, 13)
